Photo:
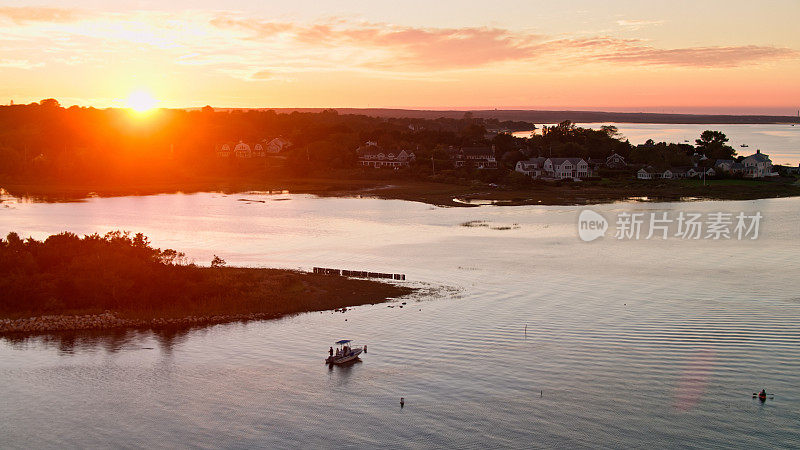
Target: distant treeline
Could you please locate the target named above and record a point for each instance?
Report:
(552, 116)
(119, 272)
(44, 143)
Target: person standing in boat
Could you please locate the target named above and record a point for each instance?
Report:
(330, 351)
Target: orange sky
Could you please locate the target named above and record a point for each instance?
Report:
(719, 56)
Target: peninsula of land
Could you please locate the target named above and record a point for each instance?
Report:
(67, 282)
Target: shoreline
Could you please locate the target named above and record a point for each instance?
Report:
(109, 321)
(436, 193)
(304, 293)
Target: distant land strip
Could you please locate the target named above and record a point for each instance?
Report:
(537, 116)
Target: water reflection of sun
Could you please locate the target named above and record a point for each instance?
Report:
(141, 101)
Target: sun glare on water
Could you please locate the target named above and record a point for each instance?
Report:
(141, 101)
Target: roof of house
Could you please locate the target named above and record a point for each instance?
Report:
(375, 150)
(758, 156)
(538, 161)
(477, 151)
(560, 161)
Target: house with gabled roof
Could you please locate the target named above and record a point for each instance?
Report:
(477, 157)
(566, 168)
(757, 165)
(223, 150)
(647, 173)
(277, 145)
(533, 167)
(616, 161)
(372, 155)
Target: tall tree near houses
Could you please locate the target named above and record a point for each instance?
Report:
(713, 145)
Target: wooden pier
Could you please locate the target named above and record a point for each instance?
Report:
(359, 273)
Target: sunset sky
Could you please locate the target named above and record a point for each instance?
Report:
(723, 56)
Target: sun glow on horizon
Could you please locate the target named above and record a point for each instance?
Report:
(141, 101)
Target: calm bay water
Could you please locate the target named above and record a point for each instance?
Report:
(525, 337)
(780, 141)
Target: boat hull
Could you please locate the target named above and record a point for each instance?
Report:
(343, 359)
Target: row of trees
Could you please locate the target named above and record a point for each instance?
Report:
(64, 272)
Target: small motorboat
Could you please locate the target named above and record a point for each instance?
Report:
(745, 145)
(344, 352)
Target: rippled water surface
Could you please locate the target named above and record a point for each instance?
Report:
(524, 336)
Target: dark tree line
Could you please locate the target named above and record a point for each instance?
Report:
(46, 143)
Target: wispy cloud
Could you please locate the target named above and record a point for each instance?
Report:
(19, 64)
(25, 14)
(390, 47)
(634, 25)
(397, 46)
(255, 49)
(638, 52)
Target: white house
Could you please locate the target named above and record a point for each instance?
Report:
(757, 165)
(558, 168)
(563, 168)
(533, 167)
(242, 150)
(646, 174)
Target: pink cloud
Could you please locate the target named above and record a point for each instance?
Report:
(701, 57)
(408, 47)
(394, 47)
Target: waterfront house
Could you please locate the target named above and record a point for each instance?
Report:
(258, 151)
(533, 167)
(476, 157)
(724, 165)
(372, 155)
(616, 161)
(596, 163)
(757, 165)
(242, 150)
(277, 145)
(683, 172)
(566, 168)
(555, 168)
(223, 151)
(646, 174)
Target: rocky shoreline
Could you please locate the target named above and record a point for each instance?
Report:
(109, 320)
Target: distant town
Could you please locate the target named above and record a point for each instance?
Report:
(45, 150)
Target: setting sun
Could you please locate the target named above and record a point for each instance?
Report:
(141, 101)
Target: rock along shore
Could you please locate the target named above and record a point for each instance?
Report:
(109, 320)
